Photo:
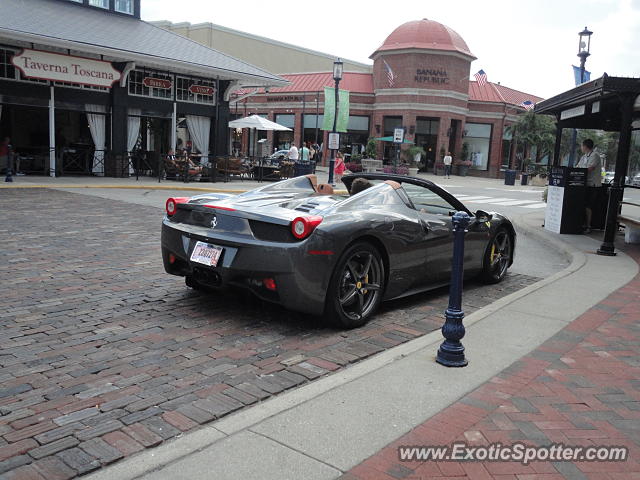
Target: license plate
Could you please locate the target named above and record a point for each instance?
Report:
(206, 254)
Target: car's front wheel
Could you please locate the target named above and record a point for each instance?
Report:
(497, 258)
(356, 286)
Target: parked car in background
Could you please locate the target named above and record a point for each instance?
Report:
(609, 176)
(279, 155)
(636, 180)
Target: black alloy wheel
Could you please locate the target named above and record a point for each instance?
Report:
(356, 286)
(497, 257)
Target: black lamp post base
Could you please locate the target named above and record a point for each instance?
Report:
(607, 250)
(451, 356)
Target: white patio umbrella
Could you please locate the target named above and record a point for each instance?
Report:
(257, 122)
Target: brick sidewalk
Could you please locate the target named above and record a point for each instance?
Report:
(102, 354)
(581, 387)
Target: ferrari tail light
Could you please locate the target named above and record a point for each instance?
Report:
(302, 227)
(269, 284)
(172, 204)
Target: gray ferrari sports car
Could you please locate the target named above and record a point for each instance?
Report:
(299, 244)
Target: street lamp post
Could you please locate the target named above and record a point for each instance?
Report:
(584, 46)
(337, 76)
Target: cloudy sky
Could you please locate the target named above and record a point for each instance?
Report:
(527, 45)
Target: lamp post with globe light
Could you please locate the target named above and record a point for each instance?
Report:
(584, 47)
(337, 76)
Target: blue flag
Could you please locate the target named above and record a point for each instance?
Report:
(576, 74)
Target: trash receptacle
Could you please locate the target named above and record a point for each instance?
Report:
(301, 168)
(524, 178)
(510, 177)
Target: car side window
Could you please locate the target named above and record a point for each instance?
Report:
(427, 201)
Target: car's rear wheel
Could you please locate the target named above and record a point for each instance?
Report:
(356, 286)
(497, 257)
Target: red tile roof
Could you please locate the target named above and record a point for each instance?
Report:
(363, 83)
(493, 92)
(425, 34)
(315, 82)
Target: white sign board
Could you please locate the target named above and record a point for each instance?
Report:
(334, 141)
(65, 68)
(398, 135)
(572, 112)
(553, 213)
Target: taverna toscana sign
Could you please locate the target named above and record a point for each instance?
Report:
(65, 68)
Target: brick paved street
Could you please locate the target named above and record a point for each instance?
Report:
(579, 388)
(102, 354)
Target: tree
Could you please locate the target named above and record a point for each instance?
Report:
(533, 130)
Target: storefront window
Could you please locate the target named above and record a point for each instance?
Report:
(478, 138)
(7, 70)
(507, 138)
(138, 87)
(427, 138)
(284, 140)
(124, 6)
(390, 124)
(354, 141)
(185, 92)
(310, 128)
(99, 3)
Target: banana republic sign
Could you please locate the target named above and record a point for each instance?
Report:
(438, 76)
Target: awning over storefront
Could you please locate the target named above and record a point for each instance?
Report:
(390, 139)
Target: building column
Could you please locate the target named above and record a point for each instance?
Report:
(52, 132)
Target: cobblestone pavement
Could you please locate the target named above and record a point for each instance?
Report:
(580, 388)
(102, 354)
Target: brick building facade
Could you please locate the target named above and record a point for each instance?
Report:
(420, 80)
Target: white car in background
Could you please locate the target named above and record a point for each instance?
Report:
(609, 176)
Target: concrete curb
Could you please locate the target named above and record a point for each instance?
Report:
(159, 457)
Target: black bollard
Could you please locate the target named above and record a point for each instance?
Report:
(8, 178)
(451, 352)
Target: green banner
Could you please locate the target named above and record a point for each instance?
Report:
(329, 109)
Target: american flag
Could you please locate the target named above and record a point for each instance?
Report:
(527, 104)
(390, 76)
(481, 78)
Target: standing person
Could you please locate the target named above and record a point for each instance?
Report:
(447, 165)
(5, 157)
(293, 153)
(593, 163)
(304, 153)
(339, 168)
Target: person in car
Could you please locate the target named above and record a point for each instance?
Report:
(358, 185)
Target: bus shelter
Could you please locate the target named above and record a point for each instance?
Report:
(609, 104)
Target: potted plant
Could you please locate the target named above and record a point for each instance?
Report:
(413, 157)
(463, 163)
(371, 150)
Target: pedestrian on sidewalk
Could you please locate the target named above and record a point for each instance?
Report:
(339, 167)
(447, 160)
(304, 153)
(593, 163)
(293, 153)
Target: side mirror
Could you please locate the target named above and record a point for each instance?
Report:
(483, 217)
